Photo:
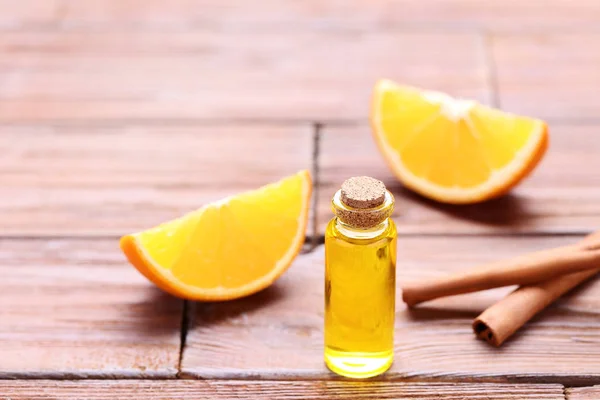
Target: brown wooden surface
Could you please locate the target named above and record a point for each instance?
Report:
(292, 15)
(116, 115)
(562, 195)
(96, 390)
(200, 75)
(75, 308)
(120, 179)
(277, 334)
(27, 12)
(583, 393)
(548, 75)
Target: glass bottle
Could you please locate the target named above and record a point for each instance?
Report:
(360, 280)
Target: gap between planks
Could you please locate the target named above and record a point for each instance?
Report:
(186, 313)
(277, 389)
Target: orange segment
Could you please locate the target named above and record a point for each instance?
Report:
(228, 249)
(452, 150)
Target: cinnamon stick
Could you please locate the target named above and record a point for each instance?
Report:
(524, 270)
(500, 321)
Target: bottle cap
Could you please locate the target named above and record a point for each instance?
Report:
(363, 192)
(363, 202)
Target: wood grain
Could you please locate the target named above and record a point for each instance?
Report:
(356, 14)
(583, 393)
(561, 196)
(199, 74)
(277, 334)
(74, 308)
(114, 180)
(182, 389)
(548, 75)
(27, 13)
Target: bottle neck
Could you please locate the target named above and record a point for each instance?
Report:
(365, 222)
(356, 233)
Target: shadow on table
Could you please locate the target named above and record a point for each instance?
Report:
(467, 305)
(563, 309)
(160, 313)
(508, 210)
(457, 317)
(157, 314)
(425, 313)
(215, 312)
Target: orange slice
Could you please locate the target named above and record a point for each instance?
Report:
(228, 249)
(453, 150)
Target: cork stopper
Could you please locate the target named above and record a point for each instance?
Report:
(363, 192)
(363, 202)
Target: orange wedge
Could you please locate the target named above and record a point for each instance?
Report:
(228, 249)
(453, 150)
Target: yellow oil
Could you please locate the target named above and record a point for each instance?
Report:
(360, 286)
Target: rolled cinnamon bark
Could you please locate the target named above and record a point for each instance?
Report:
(500, 321)
(524, 270)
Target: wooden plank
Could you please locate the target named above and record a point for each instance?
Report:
(583, 393)
(293, 15)
(548, 75)
(277, 334)
(74, 308)
(112, 180)
(27, 13)
(183, 389)
(561, 196)
(239, 75)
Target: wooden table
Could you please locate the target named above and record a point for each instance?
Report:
(116, 115)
